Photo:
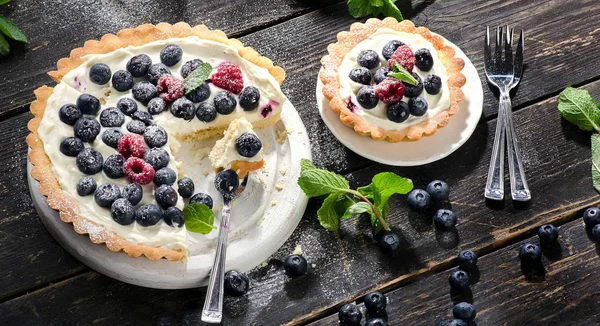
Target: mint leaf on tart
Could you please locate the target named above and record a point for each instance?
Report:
(362, 8)
(596, 161)
(9, 29)
(317, 182)
(402, 74)
(197, 77)
(579, 108)
(199, 218)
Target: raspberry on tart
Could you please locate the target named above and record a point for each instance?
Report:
(392, 105)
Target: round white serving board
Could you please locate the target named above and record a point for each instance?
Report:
(429, 148)
(252, 239)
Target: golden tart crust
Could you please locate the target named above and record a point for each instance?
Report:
(347, 40)
(58, 199)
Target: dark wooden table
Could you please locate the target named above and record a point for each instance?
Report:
(41, 284)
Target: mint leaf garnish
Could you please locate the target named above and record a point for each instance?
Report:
(596, 161)
(197, 77)
(4, 47)
(362, 8)
(358, 208)
(9, 29)
(402, 74)
(327, 214)
(3, 2)
(342, 204)
(317, 182)
(199, 218)
(579, 108)
(389, 183)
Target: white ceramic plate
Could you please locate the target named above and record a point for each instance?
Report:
(262, 218)
(429, 148)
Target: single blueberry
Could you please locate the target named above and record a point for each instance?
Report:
(596, 233)
(148, 215)
(350, 315)
(548, 234)
(157, 105)
(144, 91)
(112, 117)
(171, 54)
(413, 90)
(381, 74)
(138, 65)
(591, 216)
(530, 253)
(113, 166)
(433, 84)
(183, 108)
(157, 157)
(418, 106)
(202, 198)
(122, 211)
(165, 196)
(368, 59)
(295, 265)
(86, 186)
(111, 137)
(375, 302)
(144, 117)
(390, 47)
(155, 136)
(185, 187)
(173, 216)
(156, 71)
(136, 127)
(122, 80)
(423, 59)
(71, 146)
(464, 311)
(190, 66)
(388, 241)
(366, 97)
(89, 161)
(235, 283)
(248, 145)
(206, 112)
(199, 94)
(86, 129)
(99, 73)
(69, 114)
(88, 104)
(456, 322)
(249, 98)
(419, 200)
(467, 260)
(438, 190)
(459, 281)
(444, 219)
(127, 105)
(398, 112)
(227, 182)
(225, 102)
(133, 192)
(106, 194)
(376, 322)
(361, 75)
(165, 176)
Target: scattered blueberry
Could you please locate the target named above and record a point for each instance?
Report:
(376, 322)
(456, 322)
(155, 136)
(202, 199)
(418, 106)
(173, 216)
(596, 233)
(165, 196)
(235, 283)
(548, 234)
(127, 105)
(361, 75)
(156, 105)
(206, 112)
(295, 265)
(86, 186)
(530, 252)
(136, 127)
(144, 91)
(171, 54)
(122, 80)
(122, 211)
(156, 71)
(112, 117)
(183, 108)
(71, 146)
(165, 176)
(366, 97)
(390, 47)
(148, 215)
(350, 315)
(99, 74)
(225, 102)
(69, 114)
(190, 66)
(438, 190)
(591, 216)
(388, 241)
(113, 166)
(459, 280)
(412, 90)
(144, 117)
(419, 200)
(138, 66)
(227, 181)
(133, 192)
(199, 94)
(89, 161)
(375, 302)
(467, 260)
(111, 137)
(88, 104)
(433, 84)
(106, 194)
(381, 74)
(86, 129)
(368, 59)
(157, 157)
(398, 112)
(248, 145)
(423, 59)
(249, 98)
(444, 219)
(464, 311)
(185, 187)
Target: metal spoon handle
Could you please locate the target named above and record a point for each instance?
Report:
(213, 305)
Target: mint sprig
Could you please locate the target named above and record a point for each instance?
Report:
(402, 74)
(199, 218)
(197, 77)
(363, 8)
(342, 202)
(10, 30)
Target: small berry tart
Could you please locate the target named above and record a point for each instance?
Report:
(391, 80)
(104, 140)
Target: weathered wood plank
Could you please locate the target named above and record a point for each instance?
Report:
(567, 294)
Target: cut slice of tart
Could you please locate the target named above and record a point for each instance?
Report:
(240, 149)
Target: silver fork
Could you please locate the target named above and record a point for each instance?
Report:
(505, 74)
(213, 304)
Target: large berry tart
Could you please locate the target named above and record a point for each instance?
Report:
(104, 140)
(391, 80)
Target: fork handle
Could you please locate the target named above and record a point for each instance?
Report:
(494, 188)
(213, 305)
(518, 183)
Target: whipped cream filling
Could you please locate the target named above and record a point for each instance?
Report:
(377, 116)
(51, 130)
(224, 151)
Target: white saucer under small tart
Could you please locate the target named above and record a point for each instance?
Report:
(427, 149)
(262, 218)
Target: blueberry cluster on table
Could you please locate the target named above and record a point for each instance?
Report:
(378, 86)
(375, 304)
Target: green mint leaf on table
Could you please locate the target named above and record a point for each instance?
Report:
(327, 214)
(596, 161)
(402, 74)
(579, 108)
(390, 10)
(3, 2)
(197, 77)
(363, 8)
(317, 182)
(342, 205)
(199, 218)
(358, 208)
(9, 29)
(4, 47)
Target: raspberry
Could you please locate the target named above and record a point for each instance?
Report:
(405, 57)
(390, 90)
(138, 171)
(228, 77)
(169, 88)
(131, 144)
